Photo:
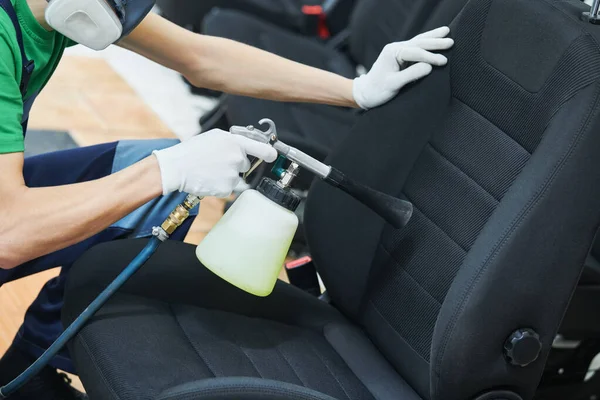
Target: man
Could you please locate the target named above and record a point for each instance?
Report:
(53, 207)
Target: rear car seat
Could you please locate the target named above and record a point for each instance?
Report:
(317, 129)
(287, 14)
(498, 153)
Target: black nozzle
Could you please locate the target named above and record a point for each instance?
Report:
(395, 211)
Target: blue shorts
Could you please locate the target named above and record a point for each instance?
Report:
(42, 323)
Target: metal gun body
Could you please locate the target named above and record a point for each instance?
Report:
(270, 136)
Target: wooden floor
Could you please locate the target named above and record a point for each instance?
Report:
(90, 100)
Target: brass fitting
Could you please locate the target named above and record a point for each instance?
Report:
(180, 214)
(175, 219)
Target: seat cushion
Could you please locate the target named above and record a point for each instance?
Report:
(145, 347)
(175, 323)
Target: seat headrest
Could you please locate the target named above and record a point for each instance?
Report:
(527, 49)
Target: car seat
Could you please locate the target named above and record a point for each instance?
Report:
(288, 14)
(497, 152)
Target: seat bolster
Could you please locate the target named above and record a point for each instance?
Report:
(241, 388)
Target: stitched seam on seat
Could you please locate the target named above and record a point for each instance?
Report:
(192, 345)
(511, 80)
(396, 332)
(402, 270)
(462, 172)
(416, 207)
(283, 356)
(88, 351)
(491, 123)
(249, 359)
(235, 346)
(239, 347)
(434, 225)
(517, 221)
(312, 348)
(536, 94)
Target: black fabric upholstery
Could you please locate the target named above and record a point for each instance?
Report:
(375, 23)
(503, 172)
(178, 323)
(486, 163)
(210, 343)
(522, 67)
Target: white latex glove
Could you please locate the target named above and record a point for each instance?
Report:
(209, 164)
(390, 72)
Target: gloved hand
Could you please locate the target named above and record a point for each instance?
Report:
(209, 164)
(390, 72)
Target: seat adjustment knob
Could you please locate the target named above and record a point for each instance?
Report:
(522, 347)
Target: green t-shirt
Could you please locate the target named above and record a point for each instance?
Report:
(43, 47)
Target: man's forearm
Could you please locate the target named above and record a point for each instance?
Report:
(236, 68)
(38, 221)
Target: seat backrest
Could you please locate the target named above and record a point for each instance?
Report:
(375, 23)
(498, 151)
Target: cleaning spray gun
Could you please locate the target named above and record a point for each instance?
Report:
(249, 244)
(396, 212)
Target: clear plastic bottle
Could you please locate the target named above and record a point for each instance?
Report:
(248, 246)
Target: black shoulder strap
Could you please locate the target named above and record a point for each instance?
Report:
(28, 65)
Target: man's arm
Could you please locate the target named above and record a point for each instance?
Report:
(38, 221)
(232, 67)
